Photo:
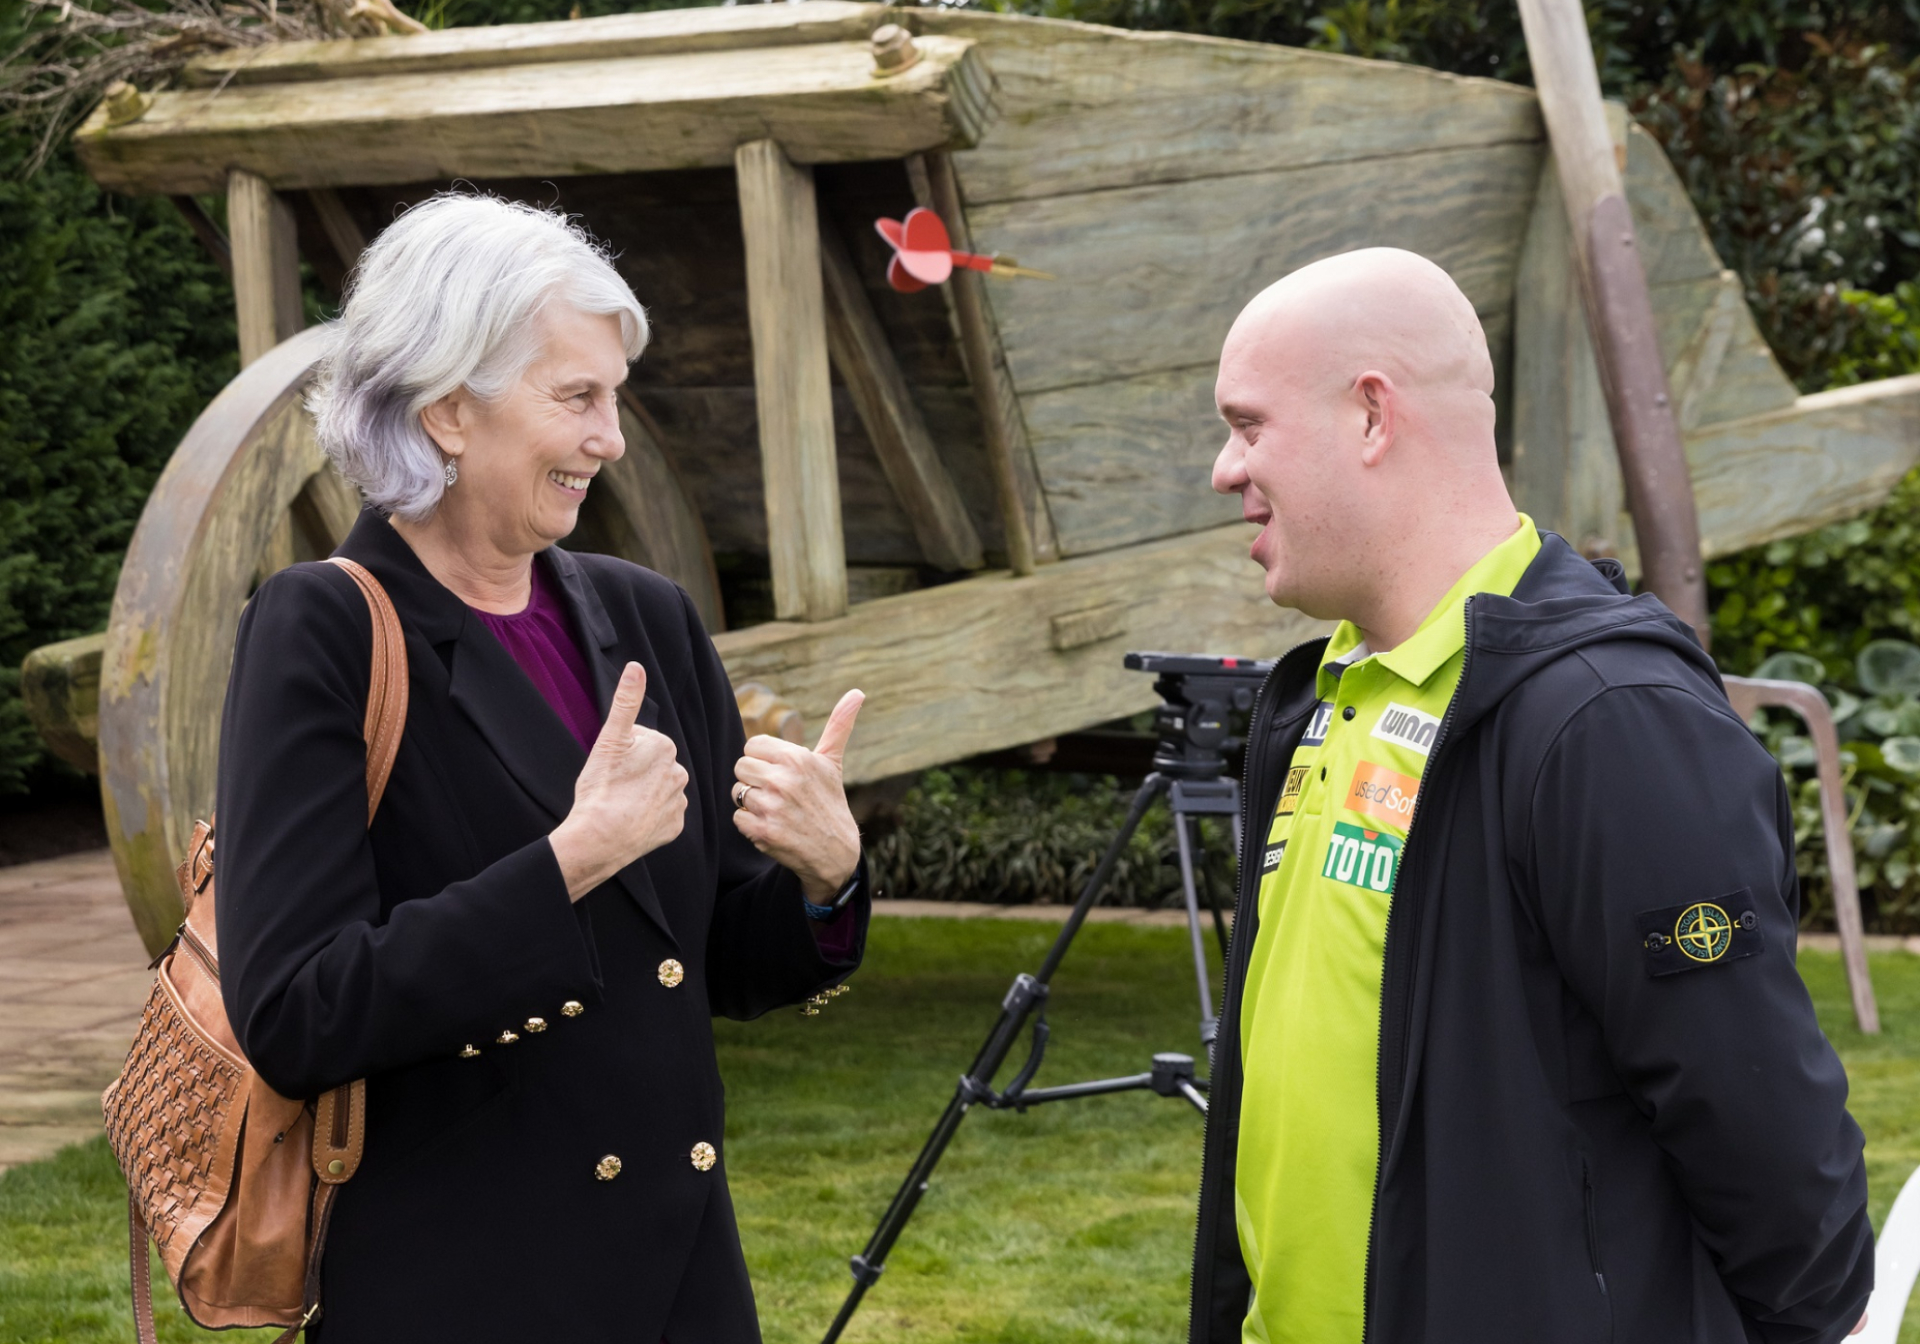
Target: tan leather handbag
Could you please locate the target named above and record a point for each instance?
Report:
(233, 1181)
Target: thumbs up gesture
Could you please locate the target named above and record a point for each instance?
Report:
(630, 798)
(791, 804)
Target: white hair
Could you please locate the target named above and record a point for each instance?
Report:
(448, 296)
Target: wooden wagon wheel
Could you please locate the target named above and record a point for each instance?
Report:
(247, 492)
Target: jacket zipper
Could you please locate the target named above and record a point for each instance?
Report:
(1256, 741)
(1380, 1111)
(1593, 1226)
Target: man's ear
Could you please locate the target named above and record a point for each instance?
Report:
(446, 421)
(1377, 397)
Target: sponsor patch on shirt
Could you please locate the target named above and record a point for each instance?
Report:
(1317, 725)
(1383, 794)
(1290, 796)
(1274, 854)
(1361, 858)
(1407, 727)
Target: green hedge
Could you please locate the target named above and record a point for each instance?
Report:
(1017, 838)
(117, 331)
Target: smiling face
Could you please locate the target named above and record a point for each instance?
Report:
(1284, 457)
(528, 458)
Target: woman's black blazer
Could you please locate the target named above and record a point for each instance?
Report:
(480, 1211)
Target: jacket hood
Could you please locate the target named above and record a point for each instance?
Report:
(1563, 602)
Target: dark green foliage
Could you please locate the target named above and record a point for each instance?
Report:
(116, 331)
(1012, 837)
(1807, 180)
(1633, 42)
(1804, 609)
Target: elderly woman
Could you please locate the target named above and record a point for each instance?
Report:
(524, 953)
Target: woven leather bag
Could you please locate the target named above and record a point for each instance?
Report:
(233, 1181)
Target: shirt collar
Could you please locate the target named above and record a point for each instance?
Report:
(1444, 632)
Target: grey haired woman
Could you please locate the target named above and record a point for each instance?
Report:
(578, 860)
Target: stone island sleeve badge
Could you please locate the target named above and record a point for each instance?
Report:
(1703, 933)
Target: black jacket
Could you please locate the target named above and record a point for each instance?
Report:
(347, 953)
(1582, 1139)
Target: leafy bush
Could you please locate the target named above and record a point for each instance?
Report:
(1807, 180)
(117, 330)
(1014, 837)
(1876, 710)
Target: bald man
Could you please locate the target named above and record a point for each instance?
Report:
(1513, 1046)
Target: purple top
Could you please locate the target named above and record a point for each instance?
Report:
(541, 640)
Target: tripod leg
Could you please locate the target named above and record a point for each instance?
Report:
(1027, 993)
(1208, 1023)
(1213, 908)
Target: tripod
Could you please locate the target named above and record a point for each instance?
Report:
(1190, 771)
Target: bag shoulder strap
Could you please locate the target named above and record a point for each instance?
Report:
(387, 686)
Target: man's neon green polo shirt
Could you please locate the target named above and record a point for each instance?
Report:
(1310, 1013)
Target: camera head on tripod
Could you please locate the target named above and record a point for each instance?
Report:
(1205, 703)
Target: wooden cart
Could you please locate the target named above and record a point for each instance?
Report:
(967, 501)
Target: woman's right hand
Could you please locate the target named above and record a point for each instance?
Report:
(630, 799)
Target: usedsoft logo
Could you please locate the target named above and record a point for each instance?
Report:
(1407, 727)
(1361, 858)
(1386, 795)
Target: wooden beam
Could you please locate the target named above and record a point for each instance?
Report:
(1000, 420)
(1613, 285)
(823, 102)
(60, 688)
(339, 225)
(786, 309)
(858, 344)
(996, 661)
(266, 265)
(668, 32)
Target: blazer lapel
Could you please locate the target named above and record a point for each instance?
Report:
(507, 710)
(600, 647)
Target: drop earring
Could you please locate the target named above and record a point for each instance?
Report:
(453, 472)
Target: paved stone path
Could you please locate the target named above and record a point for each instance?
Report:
(73, 978)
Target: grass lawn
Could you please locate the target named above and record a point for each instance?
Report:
(1071, 1223)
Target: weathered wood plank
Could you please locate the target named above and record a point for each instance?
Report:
(1827, 457)
(979, 344)
(1088, 108)
(1129, 460)
(1003, 425)
(1152, 277)
(787, 311)
(822, 101)
(1564, 470)
(266, 265)
(1673, 242)
(668, 32)
(60, 688)
(895, 427)
(972, 666)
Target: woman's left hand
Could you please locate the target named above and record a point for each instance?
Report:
(791, 803)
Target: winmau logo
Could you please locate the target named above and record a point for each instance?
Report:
(1406, 727)
(1361, 858)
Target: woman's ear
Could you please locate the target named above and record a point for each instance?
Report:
(448, 421)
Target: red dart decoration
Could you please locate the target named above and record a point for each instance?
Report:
(923, 253)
